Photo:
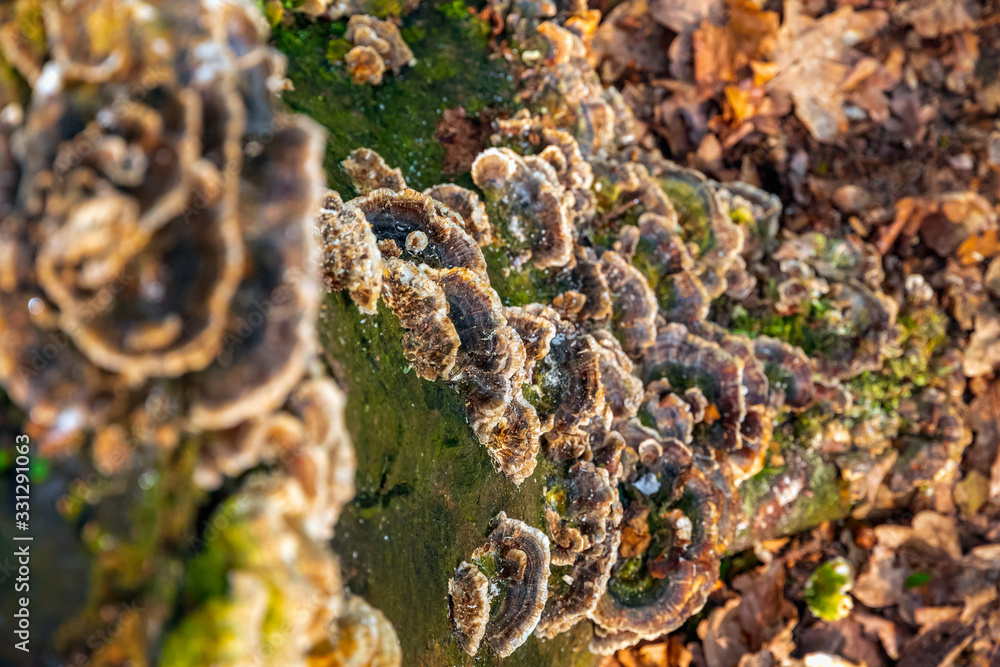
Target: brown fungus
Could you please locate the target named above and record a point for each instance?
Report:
(233, 321)
(522, 557)
(534, 207)
(688, 362)
(394, 215)
(469, 208)
(369, 172)
(468, 606)
(431, 342)
(622, 389)
(569, 381)
(382, 46)
(581, 506)
(791, 372)
(635, 305)
(365, 65)
(559, 149)
(350, 254)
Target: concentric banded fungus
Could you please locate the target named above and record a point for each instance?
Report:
(588, 580)
(791, 372)
(134, 313)
(468, 606)
(634, 302)
(431, 341)
(157, 210)
(468, 207)
(351, 258)
(622, 389)
(665, 260)
(522, 558)
(559, 149)
(262, 361)
(395, 215)
(536, 211)
(655, 587)
(569, 381)
(687, 361)
(579, 511)
(703, 220)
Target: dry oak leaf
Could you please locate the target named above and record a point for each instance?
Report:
(815, 58)
(720, 52)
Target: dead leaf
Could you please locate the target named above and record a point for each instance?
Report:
(759, 621)
(934, 18)
(938, 532)
(815, 57)
(720, 52)
(979, 247)
(983, 352)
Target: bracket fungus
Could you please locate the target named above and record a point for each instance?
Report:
(158, 204)
(520, 558)
(627, 366)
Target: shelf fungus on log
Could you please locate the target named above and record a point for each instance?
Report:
(469, 606)
(157, 209)
(435, 282)
(469, 208)
(369, 172)
(625, 332)
(519, 555)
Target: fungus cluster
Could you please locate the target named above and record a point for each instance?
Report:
(159, 279)
(638, 374)
(378, 47)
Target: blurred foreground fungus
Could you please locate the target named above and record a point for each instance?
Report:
(160, 286)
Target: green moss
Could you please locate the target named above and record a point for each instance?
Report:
(520, 287)
(228, 546)
(632, 584)
(692, 213)
(426, 492)
(337, 48)
(810, 330)
(397, 118)
(878, 394)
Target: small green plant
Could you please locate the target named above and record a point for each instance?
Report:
(827, 591)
